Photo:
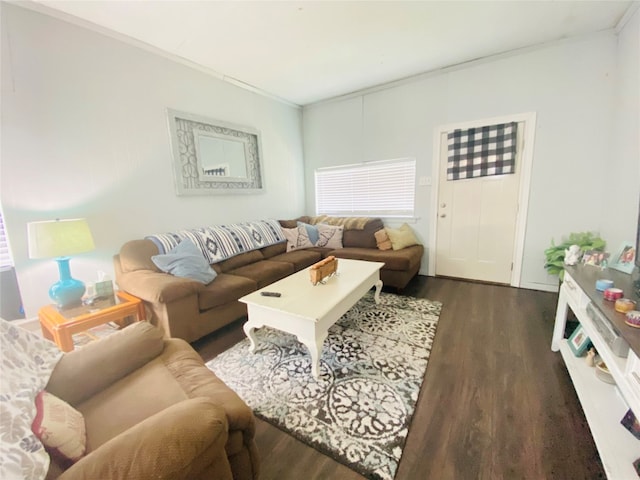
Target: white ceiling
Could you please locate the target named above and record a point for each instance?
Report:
(307, 51)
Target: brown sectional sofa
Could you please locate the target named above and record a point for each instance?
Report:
(187, 309)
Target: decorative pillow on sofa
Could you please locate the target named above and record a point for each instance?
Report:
(330, 236)
(60, 427)
(186, 260)
(382, 240)
(295, 241)
(401, 237)
(307, 236)
(311, 232)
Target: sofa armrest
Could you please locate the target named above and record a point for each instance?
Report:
(155, 287)
(176, 443)
(85, 371)
(202, 382)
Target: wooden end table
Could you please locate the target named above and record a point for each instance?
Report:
(60, 325)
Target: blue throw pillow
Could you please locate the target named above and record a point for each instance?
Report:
(186, 260)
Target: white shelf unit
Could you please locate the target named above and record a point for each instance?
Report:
(603, 404)
(603, 408)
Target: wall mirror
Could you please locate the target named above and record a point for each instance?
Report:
(211, 156)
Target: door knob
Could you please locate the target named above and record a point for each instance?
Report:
(442, 215)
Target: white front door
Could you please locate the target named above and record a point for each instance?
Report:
(476, 222)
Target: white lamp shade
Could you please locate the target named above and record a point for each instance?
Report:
(59, 238)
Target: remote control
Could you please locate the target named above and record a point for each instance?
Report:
(270, 294)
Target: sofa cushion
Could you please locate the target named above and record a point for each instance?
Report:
(186, 260)
(74, 379)
(129, 401)
(323, 251)
(273, 250)
(198, 381)
(238, 261)
(364, 238)
(294, 223)
(264, 272)
(299, 258)
(187, 440)
(402, 237)
(404, 259)
(224, 289)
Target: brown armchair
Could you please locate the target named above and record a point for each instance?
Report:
(153, 410)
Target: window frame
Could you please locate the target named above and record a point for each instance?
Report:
(6, 259)
(363, 196)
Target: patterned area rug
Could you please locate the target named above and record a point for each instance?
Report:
(372, 366)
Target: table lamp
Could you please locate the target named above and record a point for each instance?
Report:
(59, 239)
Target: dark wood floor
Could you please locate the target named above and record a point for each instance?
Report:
(496, 403)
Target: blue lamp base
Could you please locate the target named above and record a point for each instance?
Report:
(67, 292)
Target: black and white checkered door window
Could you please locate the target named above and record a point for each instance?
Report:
(482, 151)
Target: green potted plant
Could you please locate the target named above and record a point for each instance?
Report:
(555, 254)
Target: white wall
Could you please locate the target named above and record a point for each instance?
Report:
(570, 85)
(85, 134)
(622, 171)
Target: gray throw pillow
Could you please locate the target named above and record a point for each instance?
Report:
(186, 260)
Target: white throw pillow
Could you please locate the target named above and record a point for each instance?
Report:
(60, 427)
(330, 236)
(297, 238)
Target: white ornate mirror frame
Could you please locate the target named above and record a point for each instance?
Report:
(213, 157)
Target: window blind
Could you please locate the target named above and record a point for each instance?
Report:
(377, 189)
(5, 256)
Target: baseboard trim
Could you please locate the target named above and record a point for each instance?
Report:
(543, 287)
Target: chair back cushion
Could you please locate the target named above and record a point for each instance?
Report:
(83, 372)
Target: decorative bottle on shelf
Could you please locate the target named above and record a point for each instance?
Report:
(591, 357)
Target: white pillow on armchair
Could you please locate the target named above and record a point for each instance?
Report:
(27, 361)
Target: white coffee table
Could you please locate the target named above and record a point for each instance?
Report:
(308, 311)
